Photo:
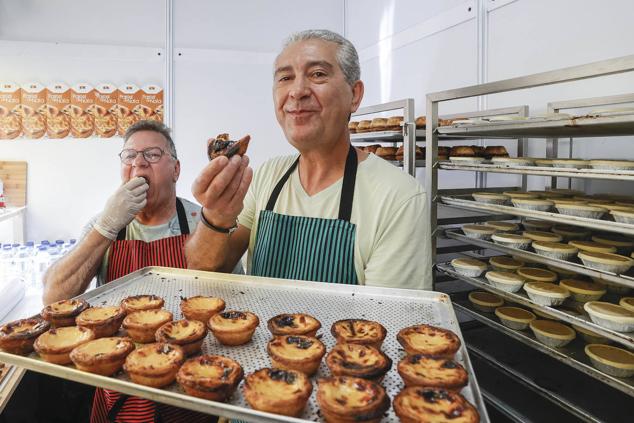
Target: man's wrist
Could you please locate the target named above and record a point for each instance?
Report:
(222, 227)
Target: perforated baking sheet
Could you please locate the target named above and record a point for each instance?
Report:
(393, 308)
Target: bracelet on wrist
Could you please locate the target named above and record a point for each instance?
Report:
(217, 228)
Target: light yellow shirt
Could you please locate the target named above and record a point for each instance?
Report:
(392, 244)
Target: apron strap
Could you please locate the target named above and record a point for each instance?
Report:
(182, 221)
(347, 188)
(116, 407)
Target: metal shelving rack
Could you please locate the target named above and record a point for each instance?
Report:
(550, 128)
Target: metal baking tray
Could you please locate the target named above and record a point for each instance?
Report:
(626, 339)
(596, 224)
(625, 280)
(394, 308)
(572, 354)
(618, 175)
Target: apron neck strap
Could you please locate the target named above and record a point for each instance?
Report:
(182, 221)
(347, 188)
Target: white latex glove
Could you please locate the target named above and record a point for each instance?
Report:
(122, 206)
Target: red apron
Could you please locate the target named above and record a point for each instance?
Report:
(127, 256)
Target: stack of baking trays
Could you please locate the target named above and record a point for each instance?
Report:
(276, 350)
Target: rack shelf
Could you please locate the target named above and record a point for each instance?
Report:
(626, 339)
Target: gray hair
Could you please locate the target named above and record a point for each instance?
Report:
(154, 126)
(347, 56)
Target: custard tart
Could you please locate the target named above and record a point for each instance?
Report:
(428, 340)
(142, 325)
(212, 377)
(201, 308)
(358, 360)
(18, 337)
(104, 321)
(142, 302)
(351, 399)
(56, 344)
(293, 324)
(188, 334)
(103, 356)
(417, 404)
(433, 372)
(278, 391)
(63, 313)
(233, 327)
(296, 352)
(154, 364)
(359, 331)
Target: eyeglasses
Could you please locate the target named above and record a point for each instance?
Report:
(151, 155)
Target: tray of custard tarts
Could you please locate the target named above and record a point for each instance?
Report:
(258, 349)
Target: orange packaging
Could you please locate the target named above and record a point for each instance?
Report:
(82, 122)
(129, 97)
(33, 110)
(104, 110)
(57, 110)
(151, 106)
(10, 119)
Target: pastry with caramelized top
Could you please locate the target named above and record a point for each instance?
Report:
(223, 146)
(417, 404)
(103, 356)
(296, 352)
(351, 399)
(142, 325)
(188, 334)
(56, 344)
(212, 377)
(293, 324)
(154, 364)
(142, 302)
(428, 340)
(233, 327)
(18, 337)
(104, 321)
(201, 308)
(278, 391)
(64, 312)
(358, 360)
(359, 331)
(434, 372)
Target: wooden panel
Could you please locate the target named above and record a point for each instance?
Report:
(13, 175)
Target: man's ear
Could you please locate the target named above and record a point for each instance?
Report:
(357, 95)
(177, 170)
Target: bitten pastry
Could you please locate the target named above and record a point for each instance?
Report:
(212, 377)
(278, 391)
(233, 327)
(56, 344)
(64, 312)
(223, 146)
(358, 360)
(296, 352)
(422, 370)
(293, 324)
(351, 399)
(142, 302)
(188, 334)
(103, 356)
(18, 337)
(104, 321)
(428, 340)
(201, 308)
(417, 404)
(359, 331)
(142, 325)
(154, 364)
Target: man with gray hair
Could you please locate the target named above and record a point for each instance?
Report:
(331, 213)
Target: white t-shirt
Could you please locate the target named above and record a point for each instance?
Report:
(392, 243)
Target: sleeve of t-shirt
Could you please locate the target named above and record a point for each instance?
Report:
(400, 256)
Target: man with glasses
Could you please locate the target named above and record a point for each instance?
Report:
(142, 224)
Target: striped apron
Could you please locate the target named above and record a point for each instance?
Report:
(127, 256)
(308, 248)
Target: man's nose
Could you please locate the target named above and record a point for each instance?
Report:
(300, 88)
(139, 160)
